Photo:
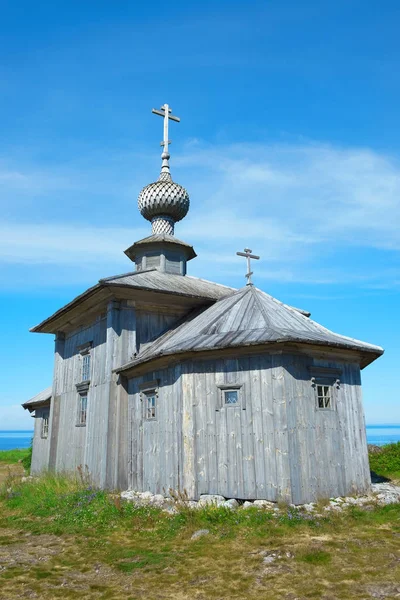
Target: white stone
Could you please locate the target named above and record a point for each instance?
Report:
(200, 533)
(158, 500)
(146, 495)
(215, 499)
(247, 504)
(232, 504)
(264, 504)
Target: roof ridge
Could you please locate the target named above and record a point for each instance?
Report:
(240, 293)
(264, 313)
(129, 274)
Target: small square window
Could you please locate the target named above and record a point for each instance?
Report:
(82, 409)
(45, 425)
(324, 396)
(231, 397)
(150, 405)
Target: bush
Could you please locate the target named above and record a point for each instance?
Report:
(27, 459)
(14, 456)
(386, 462)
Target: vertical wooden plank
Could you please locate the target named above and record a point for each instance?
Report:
(281, 435)
(188, 431)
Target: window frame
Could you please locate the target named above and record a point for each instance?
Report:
(326, 377)
(233, 387)
(325, 382)
(150, 395)
(86, 365)
(83, 394)
(85, 354)
(148, 390)
(44, 426)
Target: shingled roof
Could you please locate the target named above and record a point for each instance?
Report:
(247, 317)
(40, 398)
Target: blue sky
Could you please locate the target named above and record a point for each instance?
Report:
(288, 144)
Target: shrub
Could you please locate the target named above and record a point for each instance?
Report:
(386, 462)
(27, 459)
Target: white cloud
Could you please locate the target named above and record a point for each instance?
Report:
(305, 208)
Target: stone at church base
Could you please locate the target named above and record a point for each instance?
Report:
(381, 494)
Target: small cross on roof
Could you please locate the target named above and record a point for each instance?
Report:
(247, 253)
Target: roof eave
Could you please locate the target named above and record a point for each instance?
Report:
(31, 406)
(366, 355)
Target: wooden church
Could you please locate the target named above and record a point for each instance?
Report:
(163, 380)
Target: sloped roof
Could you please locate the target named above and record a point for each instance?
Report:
(40, 398)
(158, 281)
(149, 280)
(246, 317)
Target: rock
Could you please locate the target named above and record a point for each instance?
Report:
(232, 504)
(129, 495)
(264, 504)
(157, 500)
(269, 559)
(247, 504)
(309, 507)
(146, 496)
(373, 449)
(200, 533)
(215, 499)
(386, 493)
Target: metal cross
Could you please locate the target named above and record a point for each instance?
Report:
(165, 112)
(247, 253)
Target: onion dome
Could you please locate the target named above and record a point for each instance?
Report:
(163, 202)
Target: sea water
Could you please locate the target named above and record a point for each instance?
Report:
(376, 434)
(9, 440)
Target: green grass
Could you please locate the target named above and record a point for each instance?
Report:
(13, 456)
(387, 462)
(61, 537)
(73, 541)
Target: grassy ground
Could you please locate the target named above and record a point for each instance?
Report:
(13, 456)
(61, 538)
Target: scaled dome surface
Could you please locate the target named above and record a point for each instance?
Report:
(164, 197)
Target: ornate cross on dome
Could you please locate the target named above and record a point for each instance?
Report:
(247, 253)
(165, 112)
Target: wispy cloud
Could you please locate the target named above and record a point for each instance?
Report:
(306, 208)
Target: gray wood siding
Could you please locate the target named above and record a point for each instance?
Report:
(239, 451)
(327, 448)
(40, 451)
(155, 451)
(101, 445)
(151, 324)
(274, 445)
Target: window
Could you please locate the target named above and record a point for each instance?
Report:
(150, 405)
(85, 367)
(231, 396)
(326, 383)
(45, 425)
(324, 396)
(82, 409)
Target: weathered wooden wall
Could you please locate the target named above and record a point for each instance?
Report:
(40, 450)
(101, 445)
(327, 449)
(275, 445)
(156, 453)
